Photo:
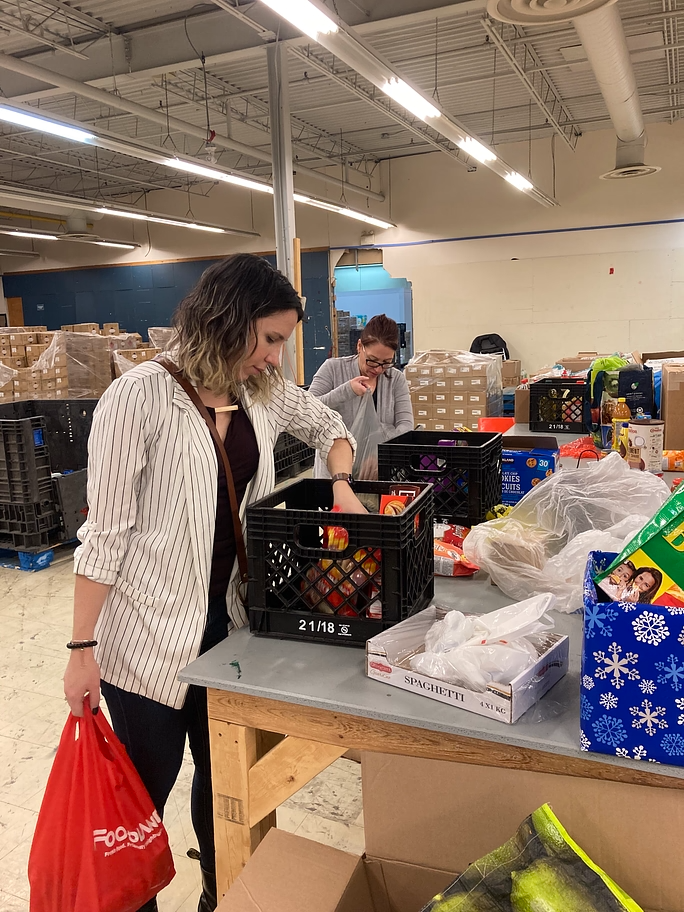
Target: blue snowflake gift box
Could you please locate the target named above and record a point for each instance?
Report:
(632, 688)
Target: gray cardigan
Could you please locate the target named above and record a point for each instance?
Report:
(331, 386)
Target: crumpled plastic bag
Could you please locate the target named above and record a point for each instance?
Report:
(543, 544)
(367, 431)
(473, 652)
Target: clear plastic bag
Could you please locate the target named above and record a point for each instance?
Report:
(543, 544)
(367, 431)
(474, 652)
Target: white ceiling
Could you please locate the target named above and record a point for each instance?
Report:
(148, 52)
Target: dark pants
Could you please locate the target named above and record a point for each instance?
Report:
(154, 737)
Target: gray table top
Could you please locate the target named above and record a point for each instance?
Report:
(333, 678)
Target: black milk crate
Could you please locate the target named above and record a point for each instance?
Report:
(291, 456)
(25, 470)
(67, 424)
(70, 493)
(288, 579)
(558, 405)
(466, 477)
(27, 519)
(30, 542)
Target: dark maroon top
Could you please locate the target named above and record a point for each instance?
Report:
(243, 455)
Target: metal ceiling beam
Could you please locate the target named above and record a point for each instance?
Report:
(331, 156)
(381, 103)
(540, 88)
(70, 12)
(117, 101)
(14, 24)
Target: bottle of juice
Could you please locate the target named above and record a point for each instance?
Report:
(621, 413)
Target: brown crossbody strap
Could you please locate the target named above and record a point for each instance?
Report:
(234, 507)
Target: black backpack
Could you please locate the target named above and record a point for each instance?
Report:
(490, 344)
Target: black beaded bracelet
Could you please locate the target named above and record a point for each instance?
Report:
(81, 644)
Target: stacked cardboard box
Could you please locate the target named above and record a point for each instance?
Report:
(343, 328)
(511, 372)
(88, 363)
(125, 359)
(454, 389)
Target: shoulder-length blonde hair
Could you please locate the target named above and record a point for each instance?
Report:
(216, 323)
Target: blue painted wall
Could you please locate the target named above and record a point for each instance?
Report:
(138, 297)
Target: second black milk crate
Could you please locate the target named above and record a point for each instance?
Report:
(301, 590)
(27, 519)
(558, 404)
(25, 471)
(465, 470)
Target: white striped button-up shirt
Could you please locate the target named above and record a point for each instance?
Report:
(152, 479)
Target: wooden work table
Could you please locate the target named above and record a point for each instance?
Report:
(319, 698)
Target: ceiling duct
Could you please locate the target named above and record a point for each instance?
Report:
(599, 27)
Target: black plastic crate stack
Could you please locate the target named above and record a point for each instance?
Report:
(28, 512)
(294, 580)
(466, 476)
(558, 405)
(291, 457)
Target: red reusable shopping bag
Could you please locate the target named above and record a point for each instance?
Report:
(99, 844)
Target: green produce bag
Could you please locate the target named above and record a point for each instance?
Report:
(541, 869)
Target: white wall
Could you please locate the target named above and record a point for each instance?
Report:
(558, 296)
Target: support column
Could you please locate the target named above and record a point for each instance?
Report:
(283, 185)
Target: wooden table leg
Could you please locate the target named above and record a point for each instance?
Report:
(233, 753)
(253, 772)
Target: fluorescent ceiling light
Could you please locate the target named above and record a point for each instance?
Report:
(518, 181)
(214, 174)
(304, 16)
(113, 244)
(159, 220)
(44, 125)
(408, 98)
(29, 234)
(342, 210)
(476, 150)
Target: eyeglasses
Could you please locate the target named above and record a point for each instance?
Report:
(382, 365)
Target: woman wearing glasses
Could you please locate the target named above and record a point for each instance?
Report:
(341, 383)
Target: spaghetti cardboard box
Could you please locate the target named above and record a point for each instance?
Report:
(389, 653)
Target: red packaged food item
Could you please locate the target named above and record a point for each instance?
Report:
(450, 561)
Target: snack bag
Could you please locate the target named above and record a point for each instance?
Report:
(450, 561)
(650, 570)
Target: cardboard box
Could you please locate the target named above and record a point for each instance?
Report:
(452, 814)
(458, 399)
(86, 327)
(522, 404)
(110, 329)
(460, 413)
(60, 360)
(387, 660)
(67, 327)
(440, 424)
(475, 399)
(422, 398)
(441, 412)
(510, 372)
(421, 425)
(288, 873)
(21, 338)
(660, 356)
(18, 351)
(423, 412)
(441, 398)
(672, 406)
(441, 385)
(525, 462)
(474, 414)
